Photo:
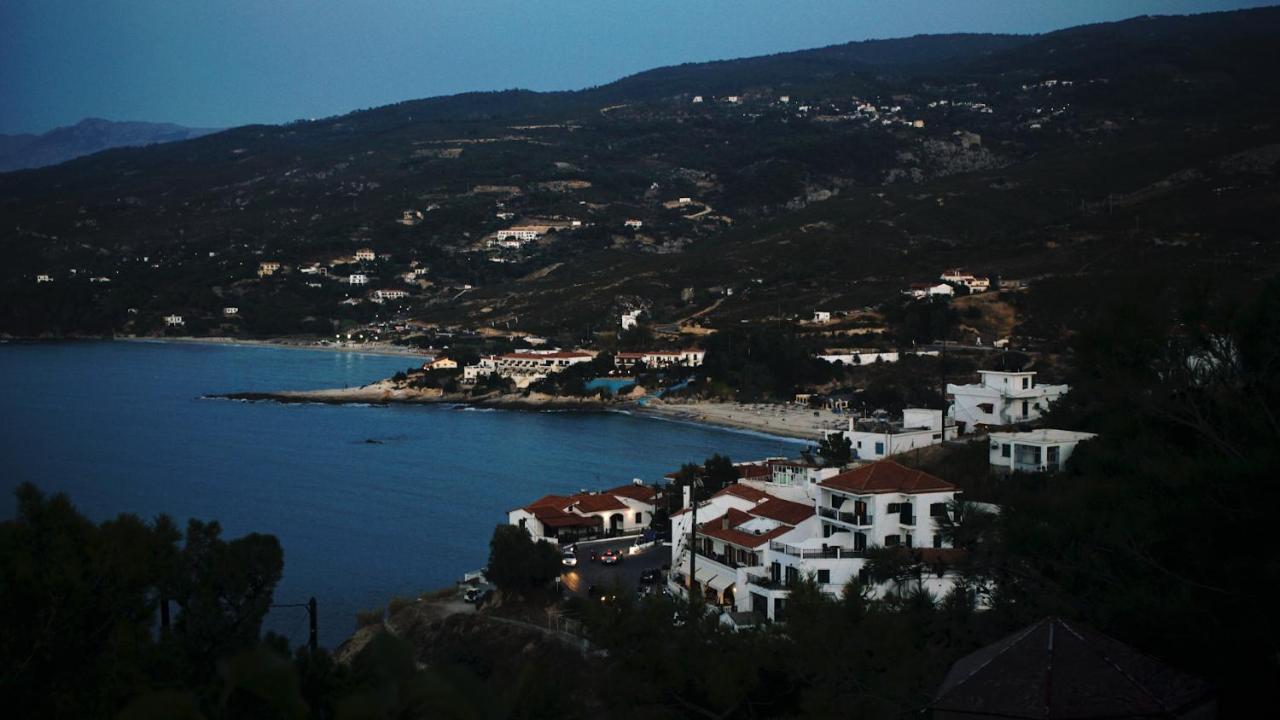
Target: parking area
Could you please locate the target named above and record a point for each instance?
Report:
(624, 575)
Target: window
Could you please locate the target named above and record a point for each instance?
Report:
(892, 541)
(908, 539)
(1004, 450)
(775, 571)
(987, 408)
(937, 540)
(639, 518)
(1026, 383)
(792, 574)
(937, 509)
(1024, 408)
(824, 577)
(893, 508)
(879, 448)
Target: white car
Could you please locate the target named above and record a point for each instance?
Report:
(569, 560)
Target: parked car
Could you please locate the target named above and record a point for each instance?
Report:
(568, 559)
(649, 577)
(610, 557)
(478, 595)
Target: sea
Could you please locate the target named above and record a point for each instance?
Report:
(369, 502)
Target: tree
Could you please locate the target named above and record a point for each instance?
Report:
(835, 449)
(517, 564)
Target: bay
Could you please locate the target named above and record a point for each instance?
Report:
(125, 427)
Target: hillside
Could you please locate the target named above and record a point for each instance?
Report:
(763, 189)
(91, 135)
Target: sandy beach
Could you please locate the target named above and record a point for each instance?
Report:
(372, 348)
(792, 421)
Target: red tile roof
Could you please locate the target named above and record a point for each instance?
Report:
(754, 471)
(597, 503)
(746, 492)
(643, 493)
(784, 511)
(886, 476)
(733, 518)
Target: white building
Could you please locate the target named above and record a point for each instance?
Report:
(522, 233)
(634, 224)
(821, 316)
(752, 544)
(230, 311)
(697, 98)
(630, 319)
(174, 320)
(868, 356)
(268, 268)
(43, 279)
(358, 279)
(691, 357)
(876, 438)
(565, 519)
(975, 284)
(1035, 451)
(366, 254)
(390, 294)
(488, 365)
(1002, 398)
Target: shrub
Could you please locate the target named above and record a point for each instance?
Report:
(366, 618)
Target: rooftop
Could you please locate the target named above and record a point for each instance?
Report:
(1044, 435)
(886, 476)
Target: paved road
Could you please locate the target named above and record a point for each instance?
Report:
(624, 575)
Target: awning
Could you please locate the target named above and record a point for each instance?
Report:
(719, 583)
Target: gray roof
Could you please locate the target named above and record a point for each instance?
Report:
(1055, 670)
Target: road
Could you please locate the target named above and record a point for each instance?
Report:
(624, 575)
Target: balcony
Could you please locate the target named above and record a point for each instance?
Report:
(848, 518)
(909, 520)
(724, 561)
(765, 582)
(815, 553)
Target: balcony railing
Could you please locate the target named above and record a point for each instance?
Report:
(908, 519)
(864, 520)
(720, 558)
(815, 553)
(765, 582)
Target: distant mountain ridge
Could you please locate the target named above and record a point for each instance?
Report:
(91, 135)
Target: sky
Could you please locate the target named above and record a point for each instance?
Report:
(218, 63)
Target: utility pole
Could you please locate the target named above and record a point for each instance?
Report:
(313, 639)
(943, 390)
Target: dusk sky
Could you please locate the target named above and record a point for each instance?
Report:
(217, 63)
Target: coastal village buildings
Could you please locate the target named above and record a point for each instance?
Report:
(526, 367)
(441, 363)
(755, 538)
(565, 519)
(969, 280)
(174, 321)
(358, 279)
(389, 294)
(691, 357)
(868, 356)
(366, 254)
(268, 268)
(521, 233)
(1001, 398)
(877, 437)
(1036, 451)
(630, 319)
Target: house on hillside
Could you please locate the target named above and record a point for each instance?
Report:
(268, 268)
(566, 519)
(440, 363)
(366, 254)
(754, 539)
(877, 437)
(1037, 451)
(358, 279)
(1001, 398)
(174, 321)
(691, 357)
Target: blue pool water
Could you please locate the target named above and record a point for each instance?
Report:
(123, 427)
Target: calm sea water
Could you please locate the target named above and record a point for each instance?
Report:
(122, 427)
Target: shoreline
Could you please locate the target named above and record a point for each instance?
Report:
(382, 349)
(775, 420)
(722, 416)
